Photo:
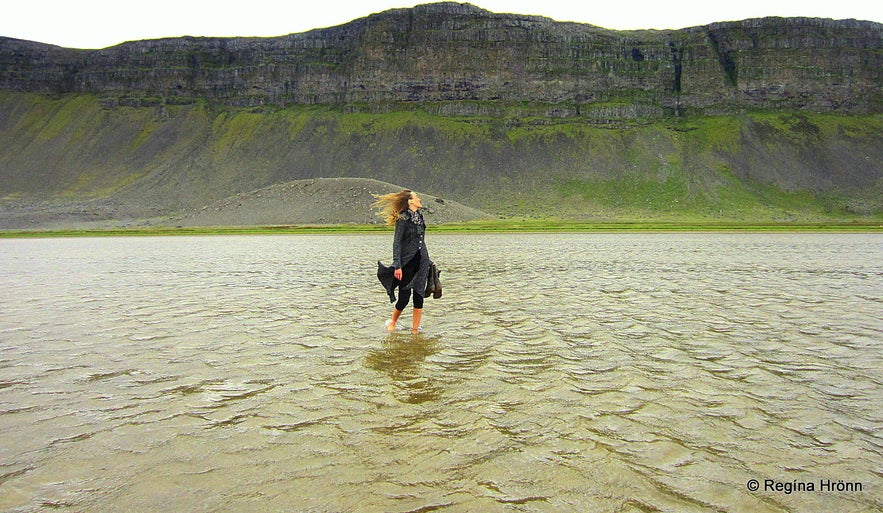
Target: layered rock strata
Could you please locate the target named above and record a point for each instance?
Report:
(457, 55)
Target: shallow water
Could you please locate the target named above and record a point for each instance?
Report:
(584, 372)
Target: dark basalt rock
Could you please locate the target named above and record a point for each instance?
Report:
(450, 52)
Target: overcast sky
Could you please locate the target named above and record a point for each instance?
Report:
(102, 23)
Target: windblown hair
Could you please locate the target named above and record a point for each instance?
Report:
(390, 206)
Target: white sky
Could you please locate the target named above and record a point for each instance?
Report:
(102, 23)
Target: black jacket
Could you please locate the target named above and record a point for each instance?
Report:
(408, 239)
(390, 283)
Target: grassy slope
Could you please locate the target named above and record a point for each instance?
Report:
(756, 167)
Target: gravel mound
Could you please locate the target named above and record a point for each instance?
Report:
(317, 202)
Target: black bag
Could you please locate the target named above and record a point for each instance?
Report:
(433, 283)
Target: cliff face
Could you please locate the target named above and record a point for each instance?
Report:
(767, 119)
(458, 54)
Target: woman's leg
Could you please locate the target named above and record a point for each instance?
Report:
(408, 272)
(391, 324)
(404, 297)
(418, 313)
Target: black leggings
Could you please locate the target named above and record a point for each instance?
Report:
(408, 272)
(404, 296)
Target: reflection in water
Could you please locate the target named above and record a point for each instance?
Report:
(643, 372)
(400, 357)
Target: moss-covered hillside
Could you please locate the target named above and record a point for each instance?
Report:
(78, 154)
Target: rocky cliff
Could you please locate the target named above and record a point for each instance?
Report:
(450, 52)
(767, 119)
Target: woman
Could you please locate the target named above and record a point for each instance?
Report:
(410, 257)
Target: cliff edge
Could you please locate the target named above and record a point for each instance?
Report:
(451, 52)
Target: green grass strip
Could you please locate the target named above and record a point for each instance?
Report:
(497, 226)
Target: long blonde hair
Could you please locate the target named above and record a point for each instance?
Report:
(390, 206)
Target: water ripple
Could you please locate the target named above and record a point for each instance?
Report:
(558, 373)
